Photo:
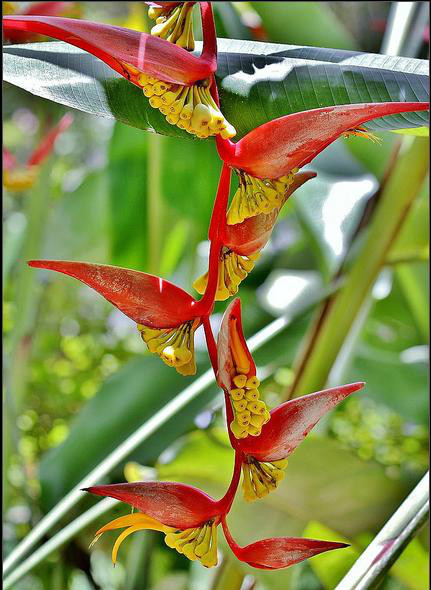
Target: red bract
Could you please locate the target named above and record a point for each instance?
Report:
(21, 178)
(251, 235)
(173, 504)
(240, 244)
(165, 314)
(47, 142)
(246, 413)
(187, 516)
(176, 82)
(267, 159)
(263, 439)
(189, 519)
(279, 552)
(277, 147)
(292, 421)
(121, 48)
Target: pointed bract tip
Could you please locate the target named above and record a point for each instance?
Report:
(354, 386)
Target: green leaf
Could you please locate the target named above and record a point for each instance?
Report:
(419, 131)
(412, 242)
(257, 82)
(70, 234)
(128, 200)
(398, 384)
(304, 23)
(189, 184)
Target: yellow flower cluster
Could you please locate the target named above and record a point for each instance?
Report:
(196, 543)
(255, 195)
(233, 268)
(175, 346)
(191, 108)
(260, 478)
(174, 25)
(249, 411)
(21, 179)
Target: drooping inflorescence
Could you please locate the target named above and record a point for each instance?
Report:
(267, 162)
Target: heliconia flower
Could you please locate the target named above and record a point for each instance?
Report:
(278, 552)
(177, 83)
(189, 519)
(243, 242)
(268, 157)
(167, 316)
(187, 516)
(17, 178)
(246, 413)
(264, 439)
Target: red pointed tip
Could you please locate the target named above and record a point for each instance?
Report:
(117, 46)
(99, 490)
(144, 298)
(278, 553)
(292, 421)
(37, 263)
(351, 387)
(46, 145)
(292, 141)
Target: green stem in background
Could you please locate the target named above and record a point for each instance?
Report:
(68, 532)
(370, 569)
(320, 352)
(155, 205)
(27, 302)
(230, 576)
(409, 276)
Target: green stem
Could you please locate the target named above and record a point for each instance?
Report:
(230, 576)
(416, 296)
(68, 532)
(27, 297)
(154, 202)
(318, 356)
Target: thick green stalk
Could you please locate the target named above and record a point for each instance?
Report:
(27, 301)
(416, 296)
(230, 576)
(320, 353)
(154, 200)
